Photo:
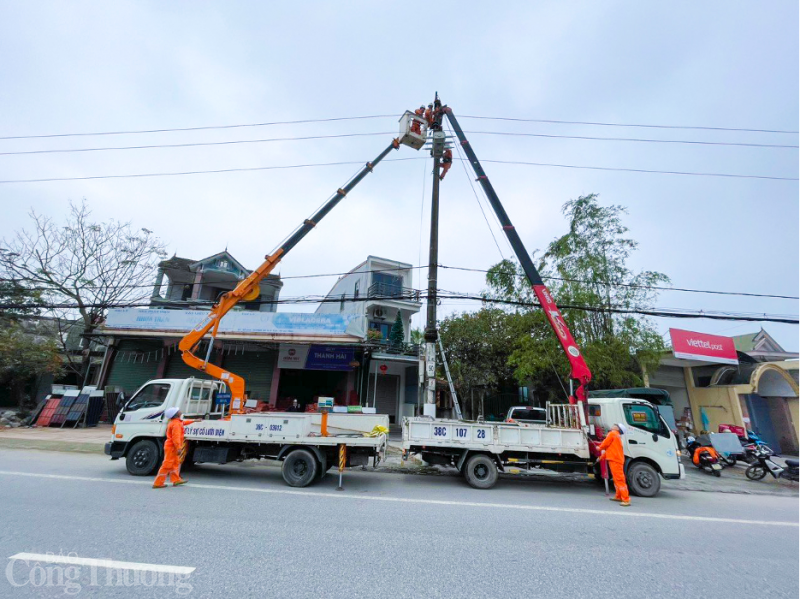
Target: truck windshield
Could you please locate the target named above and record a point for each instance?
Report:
(646, 418)
(149, 396)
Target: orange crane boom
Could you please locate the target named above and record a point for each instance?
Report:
(248, 289)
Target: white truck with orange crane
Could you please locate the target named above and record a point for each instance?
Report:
(569, 438)
(307, 444)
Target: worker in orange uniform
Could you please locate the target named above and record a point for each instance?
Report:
(416, 127)
(171, 466)
(701, 450)
(429, 114)
(447, 162)
(611, 451)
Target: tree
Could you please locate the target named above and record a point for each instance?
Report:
(81, 268)
(479, 345)
(28, 347)
(417, 336)
(397, 335)
(588, 268)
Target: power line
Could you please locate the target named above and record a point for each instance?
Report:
(345, 135)
(637, 170)
(634, 286)
(381, 116)
(320, 164)
(203, 128)
(196, 144)
(203, 172)
(419, 295)
(594, 123)
(476, 270)
(659, 141)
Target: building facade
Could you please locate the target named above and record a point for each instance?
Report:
(281, 355)
(760, 393)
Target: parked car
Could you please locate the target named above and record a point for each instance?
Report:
(526, 414)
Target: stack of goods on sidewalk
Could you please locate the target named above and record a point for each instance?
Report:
(71, 409)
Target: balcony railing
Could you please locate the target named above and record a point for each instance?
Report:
(392, 291)
(387, 347)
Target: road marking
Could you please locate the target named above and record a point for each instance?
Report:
(621, 512)
(100, 563)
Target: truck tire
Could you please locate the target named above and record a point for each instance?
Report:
(643, 480)
(480, 471)
(299, 468)
(143, 458)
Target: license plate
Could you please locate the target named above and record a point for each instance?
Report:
(716, 467)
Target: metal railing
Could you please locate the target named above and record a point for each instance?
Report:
(392, 291)
(387, 347)
(563, 415)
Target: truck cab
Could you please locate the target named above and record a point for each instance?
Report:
(651, 448)
(140, 426)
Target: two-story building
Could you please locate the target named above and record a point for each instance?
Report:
(376, 291)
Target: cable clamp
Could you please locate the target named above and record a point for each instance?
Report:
(341, 192)
(369, 166)
(508, 227)
(311, 222)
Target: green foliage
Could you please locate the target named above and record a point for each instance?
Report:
(397, 334)
(587, 267)
(417, 336)
(478, 346)
(16, 300)
(23, 356)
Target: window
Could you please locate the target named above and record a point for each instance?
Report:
(529, 414)
(384, 285)
(341, 303)
(382, 327)
(645, 418)
(223, 264)
(150, 396)
(355, 291)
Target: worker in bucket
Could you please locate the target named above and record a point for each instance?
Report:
(611, 451)
(171, 466)
(416, 126)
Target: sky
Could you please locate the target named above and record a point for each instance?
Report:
(83, 67)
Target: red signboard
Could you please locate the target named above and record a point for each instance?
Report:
(701, 346)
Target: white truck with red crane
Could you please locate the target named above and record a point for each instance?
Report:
(568, 440)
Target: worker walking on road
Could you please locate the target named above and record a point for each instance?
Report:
(611, 451)
(171, 466)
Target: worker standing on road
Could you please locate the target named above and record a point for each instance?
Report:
(171, 466)
(612, 452)
(447, 162)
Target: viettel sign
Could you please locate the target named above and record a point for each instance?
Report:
(701, 346)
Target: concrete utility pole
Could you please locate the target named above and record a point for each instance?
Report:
(431, 332)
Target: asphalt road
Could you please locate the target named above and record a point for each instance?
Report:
(246, 534)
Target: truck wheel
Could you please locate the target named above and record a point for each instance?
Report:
(299, 468)
(643, 480)
(142, 458)
(481, 472)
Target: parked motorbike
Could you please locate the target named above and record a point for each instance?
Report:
(764, 464)
(706, 460)
(751, 443)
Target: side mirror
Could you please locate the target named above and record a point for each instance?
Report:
(655, 437)
(122, 415)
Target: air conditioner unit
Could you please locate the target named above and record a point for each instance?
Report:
(378, 313)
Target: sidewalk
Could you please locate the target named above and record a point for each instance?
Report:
(83, 440)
